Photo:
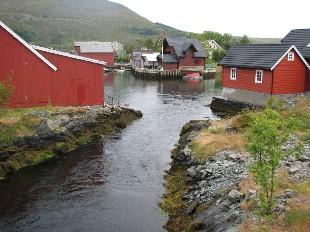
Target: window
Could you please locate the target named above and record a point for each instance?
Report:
(290, 56)
(233, 74)
(259, 76)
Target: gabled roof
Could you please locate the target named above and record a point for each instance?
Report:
(29, 47)
(52, 51)
(151, 57)
(301, 39)
(168, 58)
(264, 56)
(180, 43)
(94, 47)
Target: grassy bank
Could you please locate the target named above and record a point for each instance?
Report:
(19, 123)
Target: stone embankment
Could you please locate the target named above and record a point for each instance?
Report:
(214, 198)
(63, 131)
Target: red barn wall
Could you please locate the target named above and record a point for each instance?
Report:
(76, 82)
(308, 76)
(246, 80)
(29, 74)
(190, 60)
(290, 76)
(107, 57)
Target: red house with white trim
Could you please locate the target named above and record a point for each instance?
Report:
(96, 50)
(265, 68)
(42, 76)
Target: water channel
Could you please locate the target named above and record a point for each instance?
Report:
(115, 185)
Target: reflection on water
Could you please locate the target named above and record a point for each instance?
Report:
(115, 185)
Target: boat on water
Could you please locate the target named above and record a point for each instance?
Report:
(193, 77)
(121, 70)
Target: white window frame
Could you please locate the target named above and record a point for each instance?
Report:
(261, 76)
(233, 74)
(290, 56)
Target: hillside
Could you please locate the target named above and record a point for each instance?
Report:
(58, 23)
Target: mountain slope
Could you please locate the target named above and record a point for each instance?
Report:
(59, 22)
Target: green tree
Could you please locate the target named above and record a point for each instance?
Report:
(218, 55)
(267, 132)
(244, 40)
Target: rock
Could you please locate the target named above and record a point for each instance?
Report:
(251, 193)
(198, 168)
(304, 158)
(289, 193)
(235, 194)
(293, 170)
(191, 171)
(191, 209)
(234, 157)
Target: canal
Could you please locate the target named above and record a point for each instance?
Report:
(115, 185)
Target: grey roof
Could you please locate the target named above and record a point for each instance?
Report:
(94, 47)
(168, 58)
(262, 56)
(181, 43)
(301, 39)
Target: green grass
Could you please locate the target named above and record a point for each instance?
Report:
(298, 220)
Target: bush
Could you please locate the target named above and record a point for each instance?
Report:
(5, 93)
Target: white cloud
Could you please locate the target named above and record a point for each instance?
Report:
(256, 18)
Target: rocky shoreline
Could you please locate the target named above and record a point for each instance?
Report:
(62, 132)
(214, 195)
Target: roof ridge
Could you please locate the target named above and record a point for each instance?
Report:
(23, 42)
(68, 55)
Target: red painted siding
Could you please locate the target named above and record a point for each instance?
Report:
(107, 57)
(190, 60)
(30, 75)
(170, 66)
(290, 76)
(246, 80)
(76, 82)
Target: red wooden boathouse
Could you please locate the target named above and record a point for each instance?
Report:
(41, 76)
(97, 50)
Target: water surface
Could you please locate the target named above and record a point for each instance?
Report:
(115, 185)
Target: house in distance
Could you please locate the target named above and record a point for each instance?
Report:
(186, 55)
(41, 76)
(252, 73)
(96, 50)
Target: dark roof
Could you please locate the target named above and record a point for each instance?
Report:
(262, 56)
(168, 58)
(301, 39)
(181, 43)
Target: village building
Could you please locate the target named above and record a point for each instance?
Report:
(252, 73)
(186, 55)
(143, 58)
(96, 50)
(213, 45)
(41, 76)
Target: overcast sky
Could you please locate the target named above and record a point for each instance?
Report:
(255, 18)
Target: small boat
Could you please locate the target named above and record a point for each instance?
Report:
(193, 77)
(121, 70)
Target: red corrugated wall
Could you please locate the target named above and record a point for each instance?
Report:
(76, 82)
(290, 76)
(107, 57)
(246, 80)
(30, 75)
(170, 66)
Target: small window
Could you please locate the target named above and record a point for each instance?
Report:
(290, 56)
(233, 74)
(259, 76)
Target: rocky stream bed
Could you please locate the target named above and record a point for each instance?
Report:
(213, 199)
